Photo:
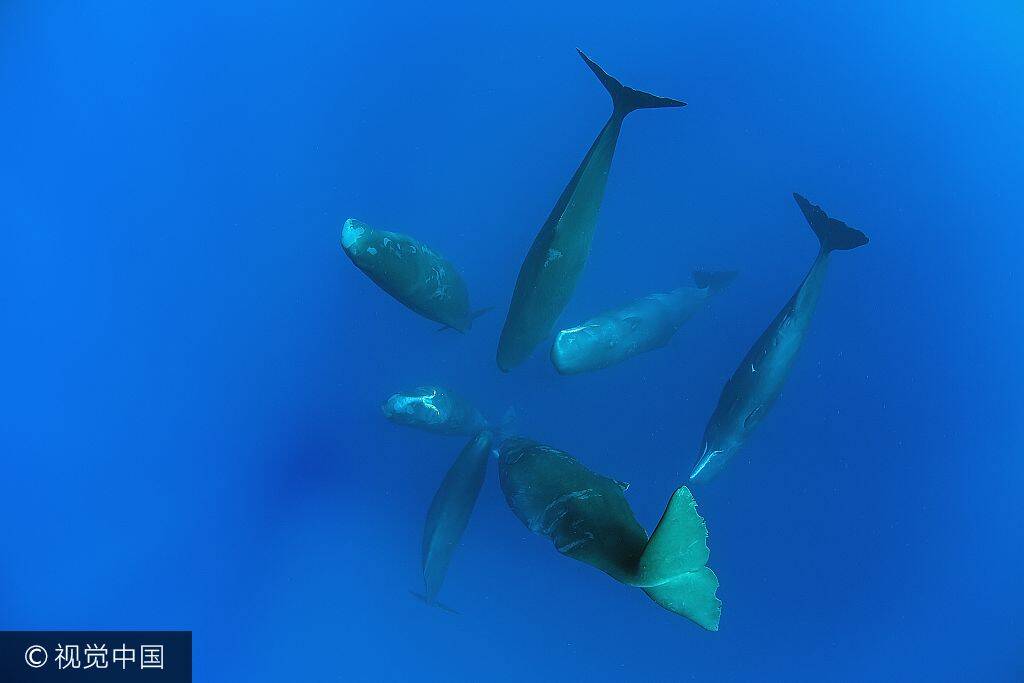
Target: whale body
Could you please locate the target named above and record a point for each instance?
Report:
(411, 272)
(450, 511)
(549, 273)
(434, 409)
(643, 325)
(753, 388)
(587, 518)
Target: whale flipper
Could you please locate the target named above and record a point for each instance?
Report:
(716, 281)
(627, 99)
(673, 568)
(833, 234)
(472, 316)
(433, 603)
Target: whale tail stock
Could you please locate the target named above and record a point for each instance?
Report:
(715, 280)
(624, 98)
(673, 568)
(832, 233)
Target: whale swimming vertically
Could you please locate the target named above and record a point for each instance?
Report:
(757, 382)
(450, 511)
(586, 516)
(556, 258)
(411, 272)
(434, 409)
(643, 325)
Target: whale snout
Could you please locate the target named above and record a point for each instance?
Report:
(413, 409)
(562, 354)
(712, 458)
(351, 233)
(577, 349)
(703, 470)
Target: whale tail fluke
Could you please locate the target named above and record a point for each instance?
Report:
(673, 569)
(715, 280)
(432, 603)
(624, 98)
(832, 233)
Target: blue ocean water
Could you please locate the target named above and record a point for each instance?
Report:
(193, 369)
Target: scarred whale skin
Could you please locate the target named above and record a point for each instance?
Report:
(587, 518)
(411, 272)
(555, 261)
(434, 409)
(450, 511)
(757, 382)
(643, 325)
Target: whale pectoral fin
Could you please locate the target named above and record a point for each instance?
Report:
(423, 598)
(480, 311)
(715, 281)
(672, 570)
(752, 418)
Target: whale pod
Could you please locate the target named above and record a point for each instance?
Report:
(643, 325)
(411, 272)
(450, 511)
(587, 517)
(757, 382)
(555, 261)
(434, 409)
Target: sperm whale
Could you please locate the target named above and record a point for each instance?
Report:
(753, 388)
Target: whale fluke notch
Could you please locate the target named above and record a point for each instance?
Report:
(673, 569)
(832, 233)
(716, 281)
(624, 98)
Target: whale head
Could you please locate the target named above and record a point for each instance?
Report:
(421, 407)
(355, 238)
(716, 451)
(580, 348)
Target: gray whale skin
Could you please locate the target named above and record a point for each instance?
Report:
(644, 325)
(450, 511)
(414, 274)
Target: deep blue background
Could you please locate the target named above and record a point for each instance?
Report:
(192, 369)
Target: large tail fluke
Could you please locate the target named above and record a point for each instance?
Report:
(673, 568)
(833, 234)
(624, 98)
